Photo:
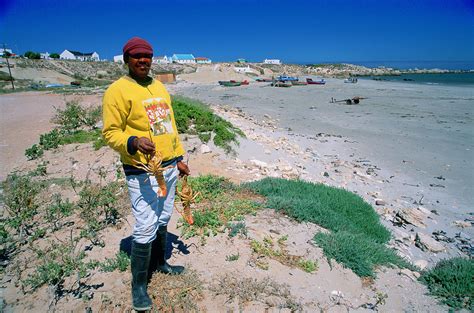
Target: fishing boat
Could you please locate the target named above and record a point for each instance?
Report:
(263, 80)
(315, 82)
(229, 83)
(352, 80)
(298, 83)
(285, 78)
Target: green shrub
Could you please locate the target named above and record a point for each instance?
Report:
(358, 252)
(57, 210)
(452, 281)
(58, 262)
(237, 228)
(120, 262)
(50, 140)
(333, 208)
(35, 152)
(219, 203)
(358, 238)
(194, 117)
(71, 118)
(19, 197)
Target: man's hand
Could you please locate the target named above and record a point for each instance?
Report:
(183, 169)
(144, 145)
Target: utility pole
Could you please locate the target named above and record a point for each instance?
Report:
(5, 54)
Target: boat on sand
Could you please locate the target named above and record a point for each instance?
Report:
(229, 83)
(310, 81)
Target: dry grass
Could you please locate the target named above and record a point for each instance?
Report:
(250, 289)
(177, 293)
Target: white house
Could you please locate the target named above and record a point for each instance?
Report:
(45, 56)
(162, 60)
(183, 58)
(2, 51)
(245, 69)
(75, 55)
(202, 60)
(272, 61)
(118, 58)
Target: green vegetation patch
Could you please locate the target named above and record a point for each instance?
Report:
(358, 252)
(358, 238)
(194, 117)
(74, 124)
(268, 249)
(219, 204)
(453, 282)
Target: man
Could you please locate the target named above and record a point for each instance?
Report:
(139, 122)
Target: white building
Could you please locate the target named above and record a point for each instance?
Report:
(118, 58)
(45, 56)
(272, 61)
(202, 60)
(183, 58)
(2, 51)
(246, 69)
(75, 55)
(162, 60)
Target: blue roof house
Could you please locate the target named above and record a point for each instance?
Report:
(183, 58)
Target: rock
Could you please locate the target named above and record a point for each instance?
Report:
(426, 243)
(421, 264)
(380, 202)
(401, 236)
(410, 274)
(274, 301)
(205, 149)
(101, 74)
(259, 164)
(462, 224)
(411, 216)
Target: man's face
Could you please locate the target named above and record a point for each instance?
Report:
(139, 65)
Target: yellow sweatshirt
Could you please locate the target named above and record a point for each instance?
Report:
(130, 109)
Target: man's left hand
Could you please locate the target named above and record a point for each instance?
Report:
(183, 169)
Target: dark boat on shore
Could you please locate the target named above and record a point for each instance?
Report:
(315, 82)
(229, 83)
(298, 83)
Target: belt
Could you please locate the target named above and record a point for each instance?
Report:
(133, 170)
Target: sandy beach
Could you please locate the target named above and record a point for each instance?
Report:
(416, 139)
(403, 148)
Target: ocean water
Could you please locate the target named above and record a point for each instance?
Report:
(404, 65)
(452, 79)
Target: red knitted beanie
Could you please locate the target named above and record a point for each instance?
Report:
(137, 45)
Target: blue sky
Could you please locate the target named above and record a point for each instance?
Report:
(291, 30)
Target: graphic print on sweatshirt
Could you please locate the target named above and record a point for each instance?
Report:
(159, 116)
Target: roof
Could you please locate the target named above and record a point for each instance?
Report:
(183, 56)
(80, 54)
(201, 59)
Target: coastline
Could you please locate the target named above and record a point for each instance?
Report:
(401, 145)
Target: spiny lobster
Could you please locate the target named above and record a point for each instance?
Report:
(188, 197)
(153, 167)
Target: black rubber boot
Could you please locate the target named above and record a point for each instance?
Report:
(140, 260)
(159, 253)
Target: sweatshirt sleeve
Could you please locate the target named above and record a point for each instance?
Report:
(114, 118)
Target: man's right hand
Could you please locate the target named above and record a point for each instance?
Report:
(144, 145)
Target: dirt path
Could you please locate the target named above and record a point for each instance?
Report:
(23, 118)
